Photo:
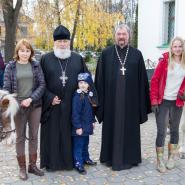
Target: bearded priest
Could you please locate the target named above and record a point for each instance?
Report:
(61, 68)
(123, 92)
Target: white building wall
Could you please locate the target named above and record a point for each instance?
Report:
(180, 18)
(151, 26)
(149, 13)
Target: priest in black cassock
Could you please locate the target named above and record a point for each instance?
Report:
(123, 91)
(61, 68)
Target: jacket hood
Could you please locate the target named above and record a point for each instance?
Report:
(166, 55)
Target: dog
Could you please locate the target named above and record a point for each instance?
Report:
(8, 109)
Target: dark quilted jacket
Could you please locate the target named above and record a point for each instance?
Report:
(10, 81)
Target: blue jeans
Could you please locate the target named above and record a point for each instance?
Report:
(80, 150)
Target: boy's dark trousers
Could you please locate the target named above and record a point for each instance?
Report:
(80, 150)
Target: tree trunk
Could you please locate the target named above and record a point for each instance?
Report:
(58, 12)
(10, 15)
(75, 24)
(110, 6)
(135, 33)
(121, 6)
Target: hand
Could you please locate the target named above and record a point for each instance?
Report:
(155, 109)
(94, 105)
(26, 102)
(182, 97)
(56, 100)
(79, 131)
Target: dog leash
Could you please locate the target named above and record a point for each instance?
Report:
(3, 134)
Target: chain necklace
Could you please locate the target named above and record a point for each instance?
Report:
(123, 69)
(63, 77)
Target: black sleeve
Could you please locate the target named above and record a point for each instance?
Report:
(7, 79)
(47, 97)
(38, 92)
(99, 84)
(145, 106)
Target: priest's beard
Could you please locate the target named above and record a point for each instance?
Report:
(62, 53)
(122, 43)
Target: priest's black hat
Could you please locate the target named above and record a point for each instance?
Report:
(60, 33)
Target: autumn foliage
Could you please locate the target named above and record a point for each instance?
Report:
(93, 24)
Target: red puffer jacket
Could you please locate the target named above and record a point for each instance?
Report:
(158, 83)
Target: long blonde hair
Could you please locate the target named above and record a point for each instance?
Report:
(171, 55)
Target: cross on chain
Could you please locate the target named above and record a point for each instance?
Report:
(63, 78)
(123, 70)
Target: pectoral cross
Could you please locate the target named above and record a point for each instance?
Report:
(123, 70)
(63, 78)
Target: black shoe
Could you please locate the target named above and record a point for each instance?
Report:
(90, 162)
(50, 170)
(81, 170)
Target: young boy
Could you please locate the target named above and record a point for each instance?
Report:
(83, 121)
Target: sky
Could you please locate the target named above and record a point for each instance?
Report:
(28, 3)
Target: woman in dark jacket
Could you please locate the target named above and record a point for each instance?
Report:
(24, 77)
(2, 66)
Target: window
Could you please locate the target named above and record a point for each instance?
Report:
(169, 21)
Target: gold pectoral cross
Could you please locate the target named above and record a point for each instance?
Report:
(123, 70)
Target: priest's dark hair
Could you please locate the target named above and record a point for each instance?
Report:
(26, 43)
(92, 101)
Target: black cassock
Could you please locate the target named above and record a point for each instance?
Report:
(56, 146)
(123, 105)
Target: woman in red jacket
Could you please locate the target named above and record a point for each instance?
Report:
(166, 94)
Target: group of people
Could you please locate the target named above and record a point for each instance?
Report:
(60, 94)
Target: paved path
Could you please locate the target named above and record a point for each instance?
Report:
(144, 174)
